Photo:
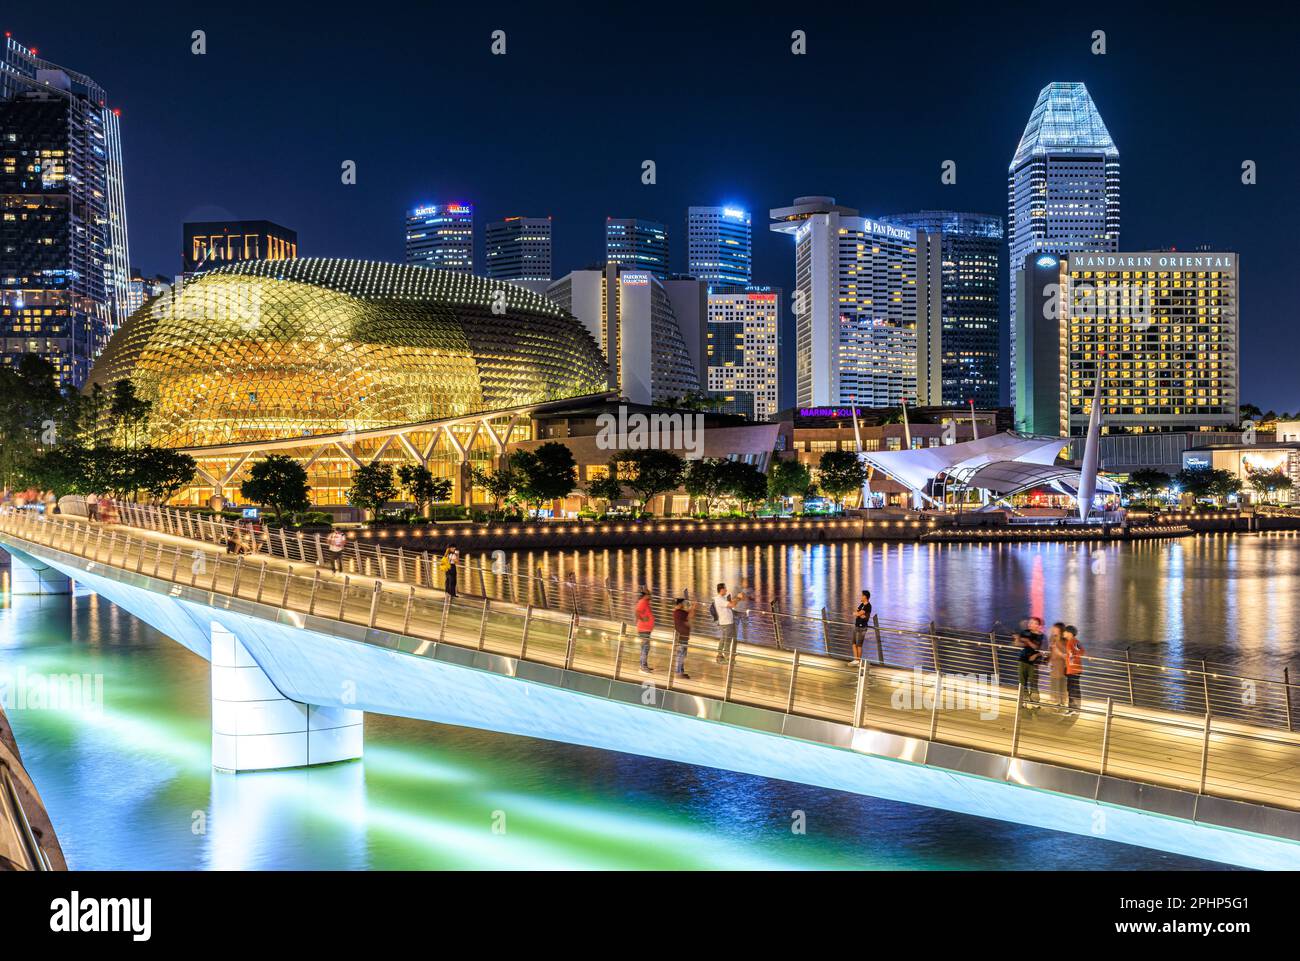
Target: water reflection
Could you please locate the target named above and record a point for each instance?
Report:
(1232, 599)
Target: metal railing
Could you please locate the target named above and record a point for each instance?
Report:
(14, 817)
(1126, 679)
(943, 701)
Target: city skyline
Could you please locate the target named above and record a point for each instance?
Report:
(697, 160)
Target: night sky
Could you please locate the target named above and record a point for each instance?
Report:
(259, 126)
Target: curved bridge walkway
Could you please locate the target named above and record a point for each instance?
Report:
(1206, 734)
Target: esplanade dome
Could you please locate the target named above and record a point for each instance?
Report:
(263, 350)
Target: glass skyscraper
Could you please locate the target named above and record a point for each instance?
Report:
(719, 245)
(1062, 189)
(971, 261)
(442, 236)
(639, 244)
(65, 275)
(519, 248)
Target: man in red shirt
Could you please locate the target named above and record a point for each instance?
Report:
(645, 623)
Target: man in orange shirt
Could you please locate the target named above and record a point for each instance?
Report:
(1074, 652)
(645, 623)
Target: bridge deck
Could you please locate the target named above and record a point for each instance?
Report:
(1233, 760)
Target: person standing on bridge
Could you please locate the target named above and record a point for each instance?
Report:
(1074, 652)
(645, 624)
(683, 612)
(861, 622)
(1056, 660)
(724, 612)
(1031, 652)
(336, 542)
(449, 571)
(743, 603)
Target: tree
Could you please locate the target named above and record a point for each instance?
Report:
(1267, 483)
(422, 487)
(703, 481)
(1251, 412)
(608, 487)
(788, 478)
(545, 474)
(745, 482)
(1146, 483)
(372, 487)
(31, 414)
(1211, 482)
(280, 483)
(500, 484)
(649, 473)
(839, 472)
(158, 471)
(128, 414)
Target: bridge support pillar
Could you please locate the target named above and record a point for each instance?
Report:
(27, 575)
(256, 728)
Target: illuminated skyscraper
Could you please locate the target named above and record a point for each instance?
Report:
(442, 236)
(972, 253)
(719, 245)
(743, 349)
(519, 248)
(65, 272)
(637, 244)
(1159, 327)
(867, 307)
(1062, 188)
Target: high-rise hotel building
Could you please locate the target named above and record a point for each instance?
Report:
(652, 333)
(972, 288)
(65, 274)
(637, 244)
(719, 243)
(743, 349)
(1062, 189)
(519, 248)
(867, 304)
(442, 236)
(1160, 328)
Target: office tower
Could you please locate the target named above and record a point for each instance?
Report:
(1062, 186)
(64, 257)
(653, 333)
(867, 304)
(442, 236)
(212, 243)
(743, 349)
(519, 248)
(971, 264)
(719, 245)
(1159, 327)
(638, 244)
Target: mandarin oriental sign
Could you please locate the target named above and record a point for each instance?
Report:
(1166, 261)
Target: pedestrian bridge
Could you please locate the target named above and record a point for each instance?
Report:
(298, 655)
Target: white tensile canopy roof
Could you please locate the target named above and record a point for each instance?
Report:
(1004, 464)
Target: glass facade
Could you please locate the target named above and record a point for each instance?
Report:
(65, 279)
(743, 339)
(441, 236)
(519, 248)
(638, 244)
(263, 351)
(719, 245)
(972, 255)
(1062, 186)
